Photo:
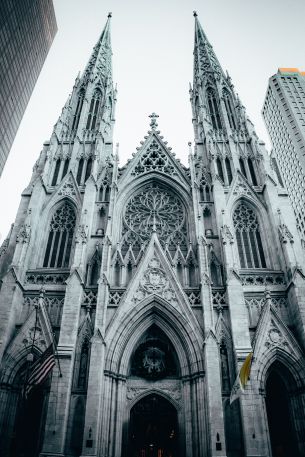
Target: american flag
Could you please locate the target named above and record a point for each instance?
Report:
(40, 370)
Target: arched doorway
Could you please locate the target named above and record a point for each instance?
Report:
(153, 430)
(280, 414)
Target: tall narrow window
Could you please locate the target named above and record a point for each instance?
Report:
(56, 171)
(78, 110)
(80, 171)
(60, 238)
(242, 167)
(252, 172)
(66, 166)
(249, 242)
(219, 169)
(214, 109)
(88, 169)
(83, 366)
(229, 171)
(94, 110)
(230, 113)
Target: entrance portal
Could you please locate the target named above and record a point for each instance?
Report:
(153, 428)
(279, 417)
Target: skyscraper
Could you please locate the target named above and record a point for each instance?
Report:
(158, 280)
(284, 115)
(27, 29)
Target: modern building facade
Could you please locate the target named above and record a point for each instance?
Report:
(284, 115)
(27, 29)
(158, 280)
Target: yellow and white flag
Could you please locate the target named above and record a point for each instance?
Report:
(242, 379)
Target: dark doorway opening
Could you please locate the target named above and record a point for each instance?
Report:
(153, 430)
(280, 420)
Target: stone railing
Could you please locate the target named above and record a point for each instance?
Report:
(262, 278)
(45, 276)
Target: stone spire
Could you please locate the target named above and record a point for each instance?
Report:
(205, 61)
(99, 66)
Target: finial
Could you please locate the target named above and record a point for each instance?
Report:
(153, 123)
(195, 13)
(109, 14)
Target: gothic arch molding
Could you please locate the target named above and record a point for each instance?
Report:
(289, 361)
(46, 217)
(154, 391)
(264, 223)
(153, 310)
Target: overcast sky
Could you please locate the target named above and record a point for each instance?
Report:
(152, 45)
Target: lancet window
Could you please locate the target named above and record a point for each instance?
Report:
(83, 366)
(78, 110)
(65, 169)
(214, 109)
(56, 172)
(92, 121)
(228, 169)
(84, 170)
(60, 238)
(248, 237)
(205, 191)
(220, 169)
(248, 170)
(229, 109)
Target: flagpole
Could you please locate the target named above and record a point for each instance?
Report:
(41, 302)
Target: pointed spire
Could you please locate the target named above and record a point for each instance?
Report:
(100, 62)
(205, 60)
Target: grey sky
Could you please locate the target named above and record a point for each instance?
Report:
(152, 60)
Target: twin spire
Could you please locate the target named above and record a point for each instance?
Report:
(100, 62)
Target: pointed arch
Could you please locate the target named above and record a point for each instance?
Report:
(66, 167)
(228, 170)
(56, 172)
(93, 269)
(249, 237)
(80, 171)
(92, 121)
(220, 169)
(213, 105)
(229, 108)
(78, 110)
(61, 232)
(252, 171)
(88, 168)
(123, 336)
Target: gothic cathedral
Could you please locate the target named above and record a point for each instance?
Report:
(156, 280)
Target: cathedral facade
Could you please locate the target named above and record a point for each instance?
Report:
(156, 280)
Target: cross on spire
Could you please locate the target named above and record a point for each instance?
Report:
(153, 122)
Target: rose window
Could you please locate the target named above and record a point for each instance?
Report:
(154, 209)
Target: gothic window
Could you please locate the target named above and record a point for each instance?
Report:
(205, 191)
(80, 171)
(94, 270)
(88, 168)
(154, 208)
(192, 274)
(117, 274)
(78, 110)
(83, 366)
(242, 167)
(56, 171)
(214, 109)
(60, 237)
(66, 166)
(228, 105)
(219, 169)
(252, 172)
(93, 110)
(248, 237)
(229, 171)
(225, 374)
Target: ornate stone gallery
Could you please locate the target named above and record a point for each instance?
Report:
(155, 280)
